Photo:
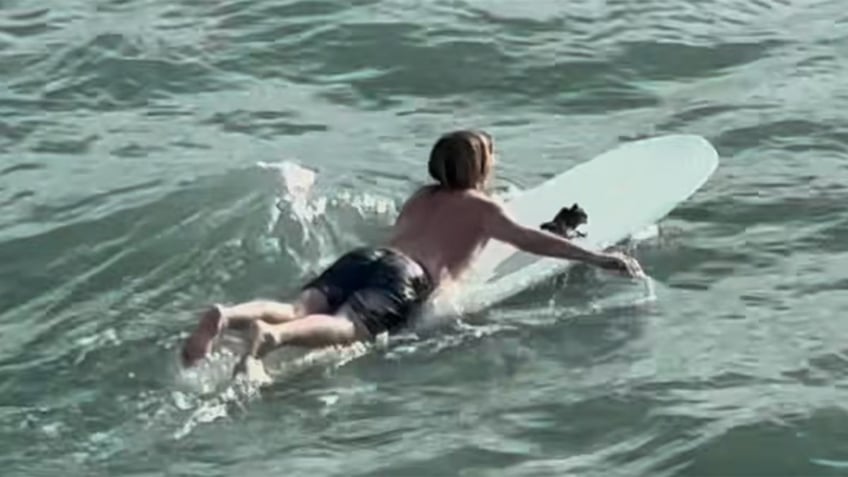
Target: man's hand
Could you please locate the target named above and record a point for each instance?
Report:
(618, 262)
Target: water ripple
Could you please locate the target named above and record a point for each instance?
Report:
(129, 131)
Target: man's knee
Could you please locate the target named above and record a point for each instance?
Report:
(311, 302)
(355, 330)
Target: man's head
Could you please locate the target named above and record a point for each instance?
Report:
(462, 160)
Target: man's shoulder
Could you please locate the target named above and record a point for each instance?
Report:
(484, 200)
(475, 199)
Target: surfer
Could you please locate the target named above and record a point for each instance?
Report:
(440, 230)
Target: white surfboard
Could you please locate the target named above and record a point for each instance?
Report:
(623, 191)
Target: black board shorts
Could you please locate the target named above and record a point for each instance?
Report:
(381, 287)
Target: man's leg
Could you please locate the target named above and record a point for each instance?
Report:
(309, 302)
(313, 331)
(214, 320)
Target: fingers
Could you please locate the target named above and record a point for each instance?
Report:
(627, 265)
(634, 269)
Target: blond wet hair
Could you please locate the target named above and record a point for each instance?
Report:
(461, 160)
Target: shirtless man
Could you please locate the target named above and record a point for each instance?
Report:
(440, 231)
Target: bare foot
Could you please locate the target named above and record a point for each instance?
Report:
(261, 338)
(253, 370)
(199, 344)
(260, 341)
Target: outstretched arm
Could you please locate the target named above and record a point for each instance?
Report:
(500, 226)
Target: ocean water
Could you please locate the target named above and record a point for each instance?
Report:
(146, 152)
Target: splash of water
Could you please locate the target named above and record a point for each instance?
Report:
(313, 227)
(296, 183)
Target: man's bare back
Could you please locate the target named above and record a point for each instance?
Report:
(443, 230)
